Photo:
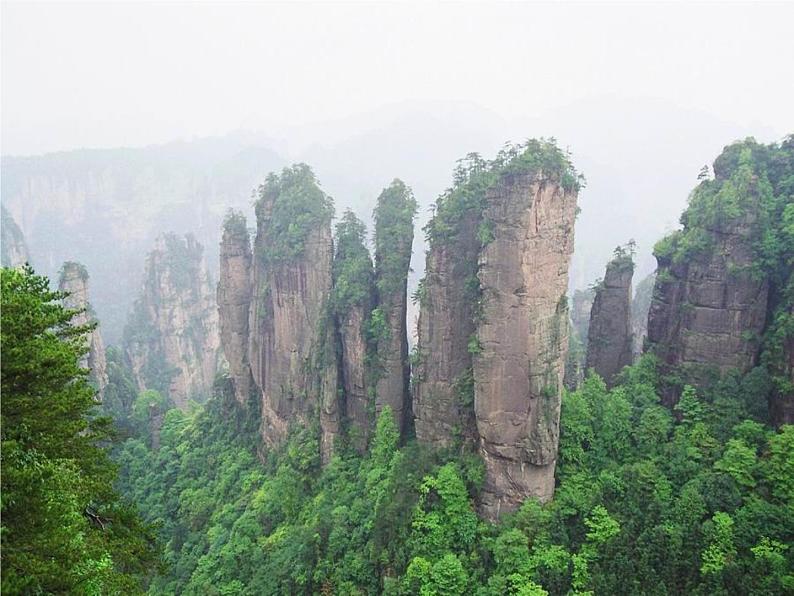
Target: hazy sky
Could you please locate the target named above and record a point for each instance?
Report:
(111, 74)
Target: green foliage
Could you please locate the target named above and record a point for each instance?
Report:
(64, 528)
(352, 269)
(291, 205)
(642, 506)
(394, 234)
(474, 175)
(235, 225)
(753, 192)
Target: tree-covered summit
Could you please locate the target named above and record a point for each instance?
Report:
(474, 175)
(291, 204)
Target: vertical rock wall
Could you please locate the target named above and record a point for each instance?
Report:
(708, 311)
(234, 302)
(523, 337)
(171, 340)
(443, 396)
(291, 285)
(609, 346)
(74, 281)
(394, 234)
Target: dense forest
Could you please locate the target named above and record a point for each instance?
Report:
(673, 476)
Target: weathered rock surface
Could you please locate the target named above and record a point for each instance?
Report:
(234, 303)
(14, 249)
(74, 281)
(609, 345)
(443, 396)
(640, 306)
(523, 337)
(288, 312)
(172, 340)
(708, 311)
(355, 377)
(394, 234)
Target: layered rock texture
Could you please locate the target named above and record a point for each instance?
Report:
(609, 345)
(352, 302)
(74, 282)
(394, 235)
(443, 376)
(234, 302)
(14, 250)
(171, 341)
(500, 246)
(318, 336)
(722, 297)
(523, 335)
(291, 283)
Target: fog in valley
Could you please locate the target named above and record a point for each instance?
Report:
(124, 121)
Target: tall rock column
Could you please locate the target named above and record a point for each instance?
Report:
(171, 340)
(394, 234)
(351, 303)
(609, 345)
(443, 378)
(234, 302)
(722, 301)
(523, 335)
(74, 281)
(708, 309)
(291, 284)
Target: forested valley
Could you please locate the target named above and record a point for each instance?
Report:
(286, 431)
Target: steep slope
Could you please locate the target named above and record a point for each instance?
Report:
(443, 392)
(609, 345)
(14, 250)
(723, 293)
(292, 262)
(523, 333)
(74, 281)
(106, 207)
(171, 340)
(501, 243)
(352, 302)
(394, 234)
(234, 302)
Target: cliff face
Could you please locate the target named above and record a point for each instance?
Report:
(708, 311)
(291, 285)
(493, 328)
(523, 337)
(172, 339)
(234, 302)
(609, 346)
(443, 378)
(74, 281)
(14, 250)
(640, 305)
(394, 234)
(352, 303)
(722, 301)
